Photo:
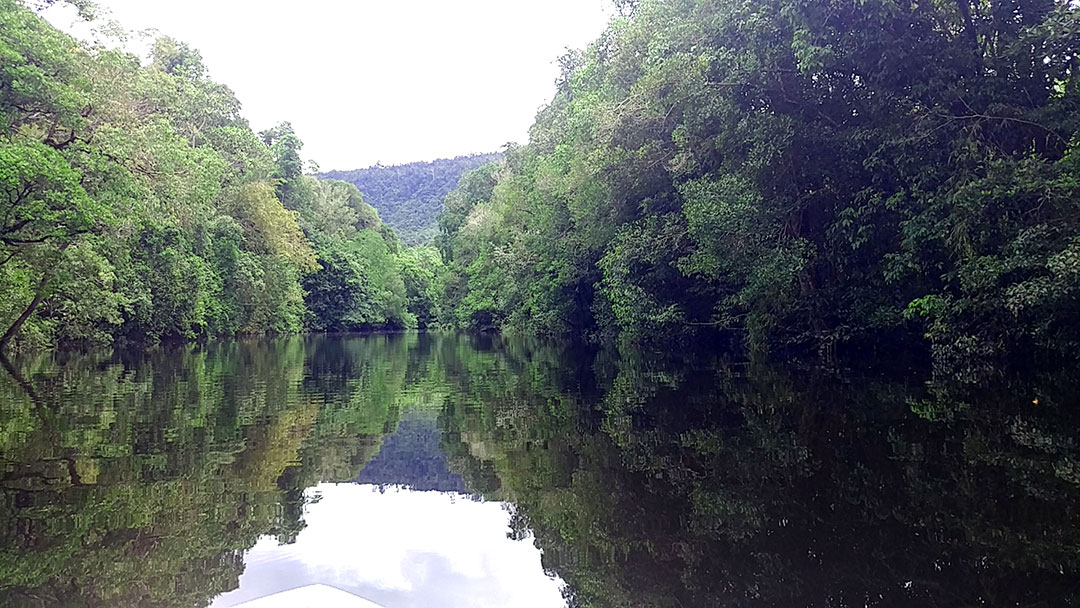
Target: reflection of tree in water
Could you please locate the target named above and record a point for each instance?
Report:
(141, 480)
(648, 481)
(691, 483)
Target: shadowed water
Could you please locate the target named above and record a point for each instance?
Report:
(443, 470)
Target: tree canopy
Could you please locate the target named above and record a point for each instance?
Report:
(813, 175)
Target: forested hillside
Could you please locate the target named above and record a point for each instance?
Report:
(137, 205)
(409, 197)
(805, 174)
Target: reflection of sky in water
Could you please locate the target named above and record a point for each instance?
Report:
(403, 549)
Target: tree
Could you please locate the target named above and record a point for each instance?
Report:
(359, 287)
(45, 206)
(422, 271)
(137, 205)
(269, 225)
(813, 177)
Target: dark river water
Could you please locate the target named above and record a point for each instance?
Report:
(445, 471)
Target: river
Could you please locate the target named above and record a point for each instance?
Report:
(447, 470)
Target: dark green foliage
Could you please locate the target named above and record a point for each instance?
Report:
(422, 272)
(813, 175)
(410, 196)
(359, 287)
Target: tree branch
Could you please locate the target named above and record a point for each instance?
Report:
(1008, 119)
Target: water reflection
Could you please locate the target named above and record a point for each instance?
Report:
(170, 478)
(402, 548)
(411, 456)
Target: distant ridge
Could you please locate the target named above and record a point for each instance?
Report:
(409, 196)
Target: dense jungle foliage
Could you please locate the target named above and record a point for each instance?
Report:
(818, 175)
(137, 205)
(409, 197)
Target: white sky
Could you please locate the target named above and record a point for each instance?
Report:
(391, 81)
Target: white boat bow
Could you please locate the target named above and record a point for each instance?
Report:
(311, 596)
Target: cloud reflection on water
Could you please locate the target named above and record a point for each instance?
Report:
(402, 548)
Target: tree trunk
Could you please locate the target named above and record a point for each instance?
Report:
(17, 325)
(971, 33)
(39, 297)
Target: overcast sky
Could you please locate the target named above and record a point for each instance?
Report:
(391, 81)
